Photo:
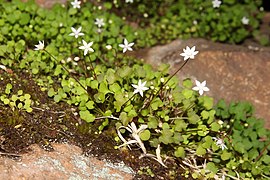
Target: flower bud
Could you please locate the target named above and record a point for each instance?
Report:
(108, 47)
(162, 80)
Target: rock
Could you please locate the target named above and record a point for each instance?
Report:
(48, 3)
(232, 72)
(66, 162)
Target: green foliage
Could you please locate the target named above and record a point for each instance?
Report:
(17, 100)
(170, 19)
(249, 139)
(147, 171)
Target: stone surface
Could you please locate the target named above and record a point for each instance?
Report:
(66, 162)
(48, 3)
(232, 72)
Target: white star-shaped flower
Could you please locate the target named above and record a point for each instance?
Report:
(39, 46)
(220, 143)
(76, 4)
(86, 47)
(140, 87)
(200, 87)
(126, 46)
(99, 22)
(77, 32)
(189, 53)
(129, 1)
(216, 3)
(245, 20)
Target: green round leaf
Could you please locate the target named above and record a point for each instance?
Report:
(20, 92)
(200, 150)
(51, 92)
(226, 155)
(87, 116)
(180, 152)
(145, 135)
(90, 105)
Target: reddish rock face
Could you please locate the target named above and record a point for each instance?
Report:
(66, 162)
(48, 3)
(234, 73)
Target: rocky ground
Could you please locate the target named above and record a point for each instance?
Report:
(232, 72)
(65, 162)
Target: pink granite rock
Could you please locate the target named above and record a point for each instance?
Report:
(48, 3)
(66, 162)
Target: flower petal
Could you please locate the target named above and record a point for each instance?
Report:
(125, 42)
(203, 83)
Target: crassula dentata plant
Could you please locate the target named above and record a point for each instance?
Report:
(85, 64)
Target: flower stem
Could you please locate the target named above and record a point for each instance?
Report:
(105, 117)
(172, 75)
(77, 80)
(115, 53)
(261, 153)
(92, 68)
(162, 85)
(123, 106)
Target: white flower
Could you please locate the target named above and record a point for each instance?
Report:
(216, 3)
(76, 4)
(220, 143)
(245, 20)
(140, 88)
(200, 87)
(129, 1)
(77, 32)
(189, 53)
(126, 46)
(86, 47)
(99, 22)
(40, 46)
